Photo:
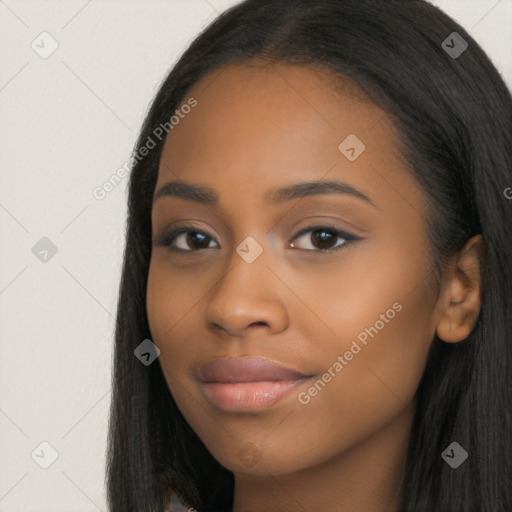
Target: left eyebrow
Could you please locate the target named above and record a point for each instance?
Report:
(311, 188)
(208, 196)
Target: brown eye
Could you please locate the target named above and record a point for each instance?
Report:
(185, 239)
(324, 238)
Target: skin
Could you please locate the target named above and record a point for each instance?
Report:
(261, 127)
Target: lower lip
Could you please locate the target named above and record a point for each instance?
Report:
(248, 396)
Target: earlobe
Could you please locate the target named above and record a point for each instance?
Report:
(460, 299)
(451, 330)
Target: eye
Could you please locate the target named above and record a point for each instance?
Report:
(324, 238)
(185, 235)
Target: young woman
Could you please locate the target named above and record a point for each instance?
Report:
(315, 305)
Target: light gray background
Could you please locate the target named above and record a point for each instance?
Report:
(67, 123)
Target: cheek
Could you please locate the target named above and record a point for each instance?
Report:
(380, 316)
(373, 388)
(377, 318)
(382, 364)
(168, 305)
(158, 302)
(166, 315)
(170, 298)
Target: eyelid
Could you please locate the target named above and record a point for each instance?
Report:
(170, 235)
(167, 238)
(317, 227)
(346, 236)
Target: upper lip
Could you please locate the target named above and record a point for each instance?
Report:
(246, 369)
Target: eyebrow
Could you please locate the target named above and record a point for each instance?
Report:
(208, 196)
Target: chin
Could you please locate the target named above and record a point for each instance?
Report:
(244, 457)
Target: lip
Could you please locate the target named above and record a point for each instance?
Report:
(246, 369)
(247, 383)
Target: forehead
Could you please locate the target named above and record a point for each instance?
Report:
(257, 126)
(269, 96)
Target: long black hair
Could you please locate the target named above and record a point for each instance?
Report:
(454, 118)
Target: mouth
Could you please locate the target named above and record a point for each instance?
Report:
(247, 383)
(247, 396)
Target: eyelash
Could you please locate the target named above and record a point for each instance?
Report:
(168, 238)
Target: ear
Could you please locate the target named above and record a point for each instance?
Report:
(460, 297)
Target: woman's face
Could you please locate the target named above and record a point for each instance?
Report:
(242, 280)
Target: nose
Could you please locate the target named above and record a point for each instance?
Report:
(248, 296)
